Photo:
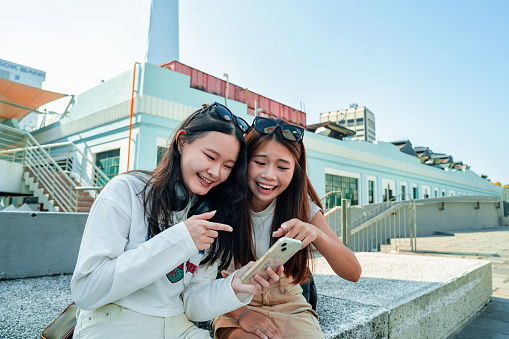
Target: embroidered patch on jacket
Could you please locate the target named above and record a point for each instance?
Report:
(190, 267)
(176, 275)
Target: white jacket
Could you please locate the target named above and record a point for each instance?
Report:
(159, 276)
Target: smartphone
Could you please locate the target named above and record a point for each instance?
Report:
(279, 253)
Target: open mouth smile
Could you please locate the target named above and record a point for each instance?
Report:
(266, 187)
(205, 180)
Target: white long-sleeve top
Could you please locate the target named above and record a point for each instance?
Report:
(160, 276)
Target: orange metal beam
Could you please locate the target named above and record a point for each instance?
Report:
(131, 120)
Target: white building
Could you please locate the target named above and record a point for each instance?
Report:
(27, 76)
(359, 119)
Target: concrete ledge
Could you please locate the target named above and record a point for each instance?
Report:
(504, 221)
(402, 296)
(39, 243)
(398, 296)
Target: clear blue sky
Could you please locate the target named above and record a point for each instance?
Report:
(433, 72)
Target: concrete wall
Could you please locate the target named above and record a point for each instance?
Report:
(432, 215)
(11, 179)
(39, 243)
(458, 214)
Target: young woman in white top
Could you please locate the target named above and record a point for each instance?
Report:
(144, 267)
(283, 203)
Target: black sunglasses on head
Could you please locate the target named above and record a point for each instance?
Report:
(288, 131)
(227, 115)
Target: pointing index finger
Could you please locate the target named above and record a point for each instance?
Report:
(218, 226)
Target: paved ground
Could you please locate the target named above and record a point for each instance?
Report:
(487, 244)
(22, 300)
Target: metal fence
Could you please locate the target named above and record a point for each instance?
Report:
(389, 230)
(389, 226)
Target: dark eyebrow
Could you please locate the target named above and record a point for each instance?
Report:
(264, 156)
(212, 151)
(216, 153)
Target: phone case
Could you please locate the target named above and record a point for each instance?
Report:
(279, 253)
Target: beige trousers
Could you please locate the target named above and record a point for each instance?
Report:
(114, 321)
(284, 304)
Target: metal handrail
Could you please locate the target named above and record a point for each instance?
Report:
(36, 162)
(60, 186)
(377, 218)
(96, 171)
(329, 193)
(389, 230)
(379, 209)
(331, 211)
(393, 228)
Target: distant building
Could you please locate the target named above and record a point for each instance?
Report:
(405, 146)
(359, 119)
(331, 129)
(27, 76)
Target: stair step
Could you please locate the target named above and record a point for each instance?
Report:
(62, 186)
(385, 249)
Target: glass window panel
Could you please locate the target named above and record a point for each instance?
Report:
(108, 162)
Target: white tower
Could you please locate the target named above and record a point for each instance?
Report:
(163, 33)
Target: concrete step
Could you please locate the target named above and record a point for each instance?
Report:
(396, 245)
(86, 199)
(402, 296)
(84, 204)
(33, 186)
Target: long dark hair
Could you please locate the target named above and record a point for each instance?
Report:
(291, 203)
(229, 197)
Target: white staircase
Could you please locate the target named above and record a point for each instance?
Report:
(59, 175)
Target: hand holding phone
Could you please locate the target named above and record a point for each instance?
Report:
(278, 254)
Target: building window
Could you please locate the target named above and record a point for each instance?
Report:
(371, 191)
(436, 192)
(351, 122)
(360, 121)
(415, 192)
(388, 194)
(403, 192)
(108, 162)
(160, 153)
(349, 187)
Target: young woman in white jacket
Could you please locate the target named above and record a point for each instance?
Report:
(146, 267)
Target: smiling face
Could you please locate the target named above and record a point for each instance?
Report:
(207, 161)
(270, 171)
